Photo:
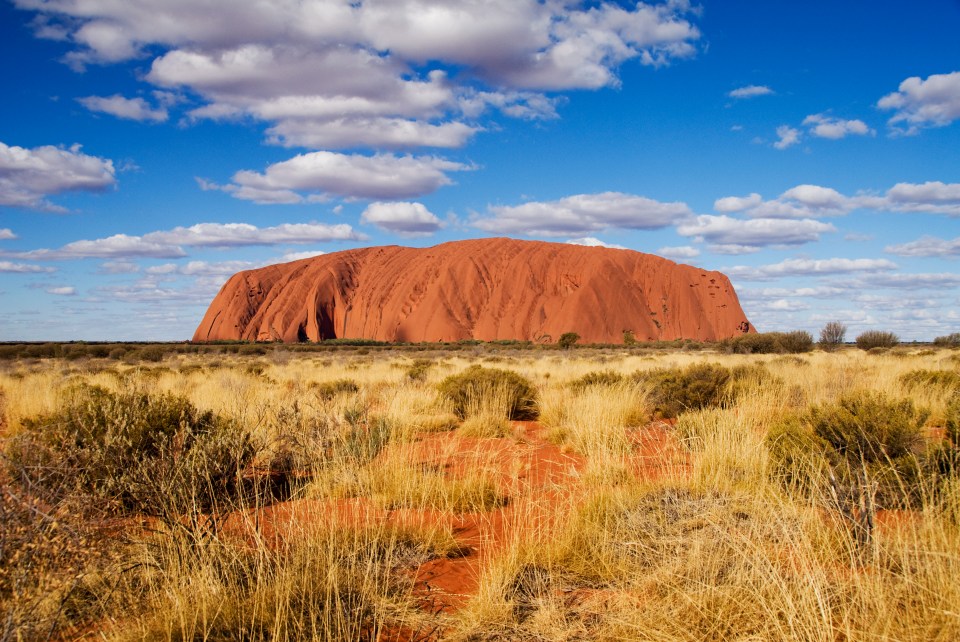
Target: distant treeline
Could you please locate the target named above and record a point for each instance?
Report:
(762, 343)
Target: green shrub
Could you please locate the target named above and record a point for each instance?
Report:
(567, 340)
(864, 439)
(134, 453)
(672, 391)
(744, 378)
(330, 389)
(418, 369)
(770, 343)
(947, 379)
(597, 378)
(877, 339)
(477, 388)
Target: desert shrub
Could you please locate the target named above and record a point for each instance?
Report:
(597, 378)
(877, 339)
(770, 343)
(418, 369)
(946, 379)
(330, 389)
(672, 391)
(568, 339)
(865, 440)
(134, 452)
(477, 388)
(832, 335)
(948, 341)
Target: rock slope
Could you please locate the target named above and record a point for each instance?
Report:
(484, 289)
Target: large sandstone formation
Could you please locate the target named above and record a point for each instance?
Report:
(479, 289)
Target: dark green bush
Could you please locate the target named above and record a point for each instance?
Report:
(863, 439)
(134, 452)
(672, 391)
(568, 339)
(877, 339)
(597, 378)
(469, 389)
(770, 343)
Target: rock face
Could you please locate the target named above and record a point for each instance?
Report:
(479, 289)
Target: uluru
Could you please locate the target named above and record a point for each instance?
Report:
(486, 289)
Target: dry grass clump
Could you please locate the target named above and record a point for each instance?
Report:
(672, 391)
(326, 582)
(487, 391)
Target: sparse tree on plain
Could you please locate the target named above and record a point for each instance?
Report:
(832, 335)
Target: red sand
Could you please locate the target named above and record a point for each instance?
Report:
(485, 289)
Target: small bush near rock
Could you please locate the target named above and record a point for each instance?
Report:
(672, 390)
(770, 343)
(478, 390)
(877, 339)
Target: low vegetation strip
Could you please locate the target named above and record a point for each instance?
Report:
(681, 495)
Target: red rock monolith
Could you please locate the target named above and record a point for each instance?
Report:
(485, 289)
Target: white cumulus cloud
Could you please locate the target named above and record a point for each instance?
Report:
(322, 175)
(29, 176)
(405, 219)
(750, 91)
(127, 108)
(919, 103)
(787, 137)
(753, 233)
(590, 241)
(824, 126)
(583, 213)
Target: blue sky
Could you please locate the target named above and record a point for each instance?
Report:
(151, 148)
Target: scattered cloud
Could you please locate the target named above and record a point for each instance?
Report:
(809, 267)
(590, 241)
(747, 235)
(918, 103)
(63, 290)
(927, 246)
(788, 137)
(824, 126)
(680, 252)
(170, 243)
(22, 268)
(7, 234)
(583, 213)
(119, 267)
(343, 75)
(298, 256)
(325, 175)
(405, 219)
(127, 108)
(815, 201)
(29, 176)
(750, 91)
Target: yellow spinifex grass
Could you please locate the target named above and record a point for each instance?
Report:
(612, 546)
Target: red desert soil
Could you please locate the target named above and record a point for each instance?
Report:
(484, 289)
(538, 477)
